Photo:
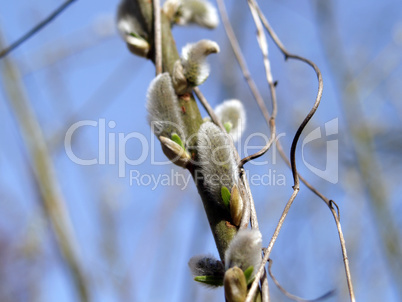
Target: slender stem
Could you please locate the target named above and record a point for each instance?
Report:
(245, 219)
(308, 185)
(254, 90)
(291, 296)
(319, 92)
(157, 37)
(264, 49)
(257, 96)
(253, 212)
(237, 51)
(264, 287)
(208, 108)
(268, 250)
(35, 29)
(292, 157)
(240, 59)
(344, 252)
(294, 143)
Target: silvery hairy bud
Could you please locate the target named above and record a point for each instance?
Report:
(207, 270)
(165, 119)
(232, 115)
(192, 69)
(244, 251)
(185, 12)
(216, 160)
(131, 29)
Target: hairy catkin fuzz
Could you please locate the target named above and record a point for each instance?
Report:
(163, 108)
(232, 112)
(186, 12)
(198, 12)
(195, 68)
(244, 250)
(216, 160)
(206, 265)
(131, 29)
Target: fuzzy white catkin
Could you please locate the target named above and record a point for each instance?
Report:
(171, 9)
(128, 24)
(232, 111)
(244, 250)
(206, 265)
(198, 12)
(163, 108)
(216, 159)
(195, 67)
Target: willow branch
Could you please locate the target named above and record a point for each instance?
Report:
(264, 287)
(35, 29)
(262, 41)
(293, 148)
(249, 211)
(245, 219)
(268, 250)
(292, 161)
(219, 219)
(208, 108)
(264, 49)
(318, 97)
(240, 59)
(236, 49)
(254, 90)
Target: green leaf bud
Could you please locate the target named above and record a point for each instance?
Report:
(225, 193)
(236, 205)
(175, 152)
(235, 285)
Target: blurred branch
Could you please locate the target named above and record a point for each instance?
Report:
(362, 142)
(35, 29)
(52, 200)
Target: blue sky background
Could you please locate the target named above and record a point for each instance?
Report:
(135, 241)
